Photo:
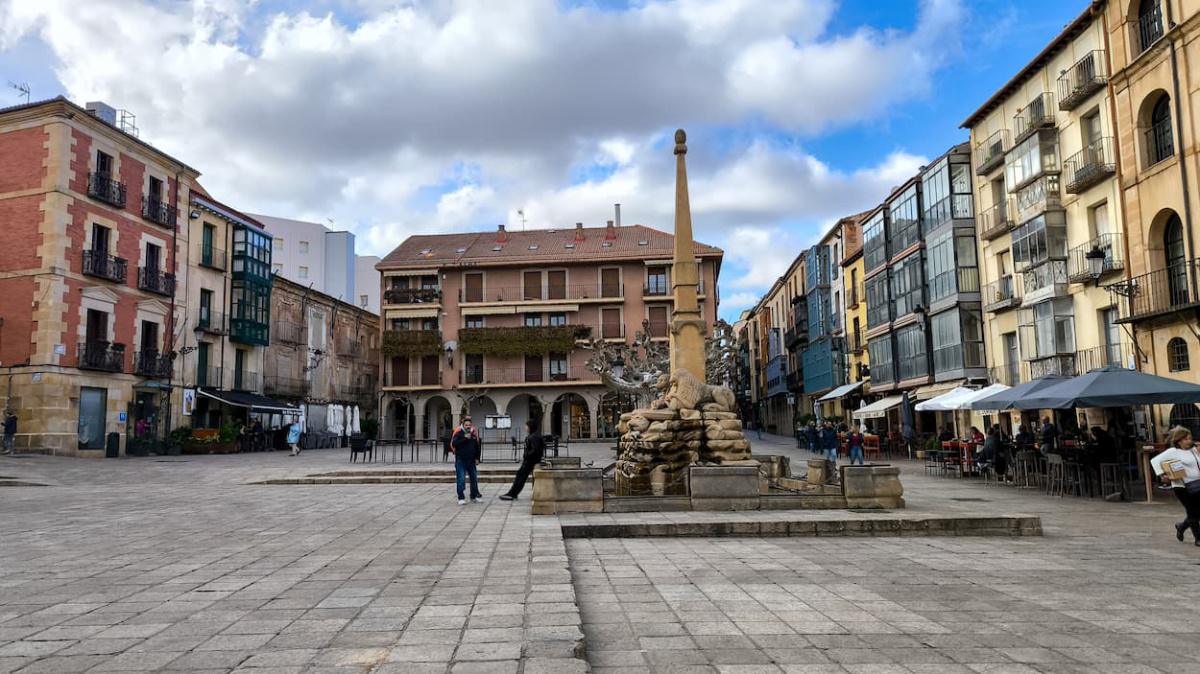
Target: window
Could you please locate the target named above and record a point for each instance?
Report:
(1186, 415)
(1030, 159)
(558, 319)
(104, 163)
(251, 253)
(96, 328)
(1042, 238)
(100, 239)
(879, 304)
(657, 317)
(558, 366)
(946, 191)
(556, 284)
(1177, 355)
(656, 280)
(153, 258)
(155, 189)
(363, 301)
(1048, 329)
(533, 320)
(908, 285)
(532, 284)
(205, 317)
(1149, 24)
(1176, 259)
(472, 368)
(610, 323)
(1159, 139)
(302, 272)
(875, 248)
(1012, 358)
(905, 220)
(473, 322)
(1112, 337)
(610, 282)
(533, 368)
(473, 287)
(303, 248)
(278, 243)
(912, 356)
(879, 351)
(957, 339)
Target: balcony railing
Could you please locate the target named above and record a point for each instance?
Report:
(994, 221)
(1046, 280)
(287, 331)
(209, 376)
(156, 281)
(100, 355)
(1001, 294)
(1089, 166)
(856, 294)
(212, 322)
(1062, 365)
(584, 291)
(855, 342)
(412, 296)
(1110, 355)
(1009, 375)
(102, 265)
(1159, 142)
(213, 258)
(245, 380)
(102, 187)
(285, 386)
(152, 364)
(1081, 80)
(1037, 114)
(989, 152)
(658, 288)
(1079, 265)
(1037, 197)
(349, 348)
(156, 210)
(1149, 28)
(485, 375)
(1159, 292)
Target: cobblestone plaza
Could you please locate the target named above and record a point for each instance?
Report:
(179, 564)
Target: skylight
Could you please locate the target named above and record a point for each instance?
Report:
(497, 249)
(569, 245)
(460, 250)
(606, 244)
(533, 246)
(425, 251)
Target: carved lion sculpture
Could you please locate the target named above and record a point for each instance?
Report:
(688, 393)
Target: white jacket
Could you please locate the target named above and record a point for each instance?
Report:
(1188, 458)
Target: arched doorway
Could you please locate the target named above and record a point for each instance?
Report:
(439, 421)
(521, 409)
(1188, 416)
(1176, 259)
(480, 409)
(569, 417)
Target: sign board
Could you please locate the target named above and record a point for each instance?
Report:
(189, 401)
(497, 422)
(60, 349)
(37, 377)
(122, 416)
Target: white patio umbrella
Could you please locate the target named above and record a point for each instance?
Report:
(357, 425)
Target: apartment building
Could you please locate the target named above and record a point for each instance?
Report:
(323, 355)
(775, 351)
(1049, 207)
(858, 364)
(323, 259)
(1151, 48)
(494, 324)
(88, 294)
(824, 357)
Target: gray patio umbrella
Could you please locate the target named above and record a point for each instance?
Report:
(1005, 400)
(1111, 387)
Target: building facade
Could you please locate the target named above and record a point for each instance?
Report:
(326, 260)
(858, 364)
(90, 213)
(494, 323)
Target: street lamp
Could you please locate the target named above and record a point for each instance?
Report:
(1095, 262)
(197, 333)
(618, 367)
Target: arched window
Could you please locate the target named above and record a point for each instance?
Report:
(1188, 416)
(1176, 259)
(1149, 24)
(1177, 355)
(1160, 141)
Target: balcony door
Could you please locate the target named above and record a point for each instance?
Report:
(205, 317)
(149, 342)
(658, 321)
(206, 244)
(429, 371)
(155, 192)
(239, 369)
(104, 164)
(610, 323)
(533, 368)
(556, 284)
(100, 239)
(203, 357)
(1012, 358)
(1176, 262)
(473, 287)
(153, 259)
(399, 371)
(96, 330)
(1112, 337)
(610, 282)
(532, 281)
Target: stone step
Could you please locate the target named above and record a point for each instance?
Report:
(385, 479)
(591, 526)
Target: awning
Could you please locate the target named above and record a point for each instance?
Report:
(878, 409)
(932, 391)
(947, 402)
(841, 391)
(1111, 387)
(251, 401)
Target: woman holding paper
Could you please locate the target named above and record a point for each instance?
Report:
(1180, 465)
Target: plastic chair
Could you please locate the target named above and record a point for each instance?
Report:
(359, 444)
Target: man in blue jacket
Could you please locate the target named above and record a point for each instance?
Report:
(467, 454)
(829, 442)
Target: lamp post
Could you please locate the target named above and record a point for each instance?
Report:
(618, 372)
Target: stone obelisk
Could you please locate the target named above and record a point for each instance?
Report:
(687, 324)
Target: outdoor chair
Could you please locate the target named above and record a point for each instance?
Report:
(359, 444)
(1055, 475)
(871, 450)
(1026, 473)
(1113, 480)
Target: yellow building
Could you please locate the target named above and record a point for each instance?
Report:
(855, 320)
(1151, 46)
(1049, 212)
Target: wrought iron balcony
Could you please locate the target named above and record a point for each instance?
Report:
(1158, 293)
(1080, 268)
(213, 258)
(212, 322)
(1089, 166)
(989, 152)
(1159, 141)
(287, 331)
(1110, 355)
(101, 355)
(1087, 76)
(1149, 28)
(1037, 114)
(102, 187)
(158, 211)
(856, 294)
(208, 376)
(349, 348)
(790, 338)
(1062, 364)
(285, 386)
(412, 296)
(856, 343)
(994, 222)
(153, 365)
(1001, 294)
(515, 294)
(244, 380)
(102, 265)
(474, 375)
(156, 281)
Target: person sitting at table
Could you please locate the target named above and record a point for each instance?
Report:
(992, 454)
(947, 434)
(1105, 445)
(975, 436)
(1049, 436)
(1024, 439)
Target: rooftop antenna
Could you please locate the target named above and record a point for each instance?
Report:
(22, 89)
(521, 213)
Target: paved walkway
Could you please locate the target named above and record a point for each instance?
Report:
(179, 564)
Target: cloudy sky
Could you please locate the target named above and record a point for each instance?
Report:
(393, 117)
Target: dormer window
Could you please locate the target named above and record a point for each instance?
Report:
(606, 244)
(497, 249)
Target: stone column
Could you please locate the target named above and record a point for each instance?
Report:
(687, 324)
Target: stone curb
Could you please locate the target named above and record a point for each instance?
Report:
(1004, 525)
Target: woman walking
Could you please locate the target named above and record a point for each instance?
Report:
(1180, 465)
(854, 440)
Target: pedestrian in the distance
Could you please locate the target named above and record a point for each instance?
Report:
(758, 425)
(467, 454)
(1180, 466)
(10, 430)
(829, 442)
(293, 437)
(535, 448)
(1049, 436)
(854, 440)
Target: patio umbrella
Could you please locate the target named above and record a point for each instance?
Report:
(1112, 387)
(947, 402)
(1005, 400)
(357, 425)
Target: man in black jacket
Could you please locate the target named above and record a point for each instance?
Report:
(535, 447)
(467, 454)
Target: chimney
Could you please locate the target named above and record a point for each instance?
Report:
(579, 231)
(617, 208)
(610, 232)
(501, 234)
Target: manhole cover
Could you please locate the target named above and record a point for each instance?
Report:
(971, 499)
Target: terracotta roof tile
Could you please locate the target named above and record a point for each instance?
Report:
(587, 244)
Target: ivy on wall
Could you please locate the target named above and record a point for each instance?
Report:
(412, 343)
(521, 341)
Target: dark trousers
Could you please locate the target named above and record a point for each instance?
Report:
(1191, 506)
(463, 470)
(523, 473)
